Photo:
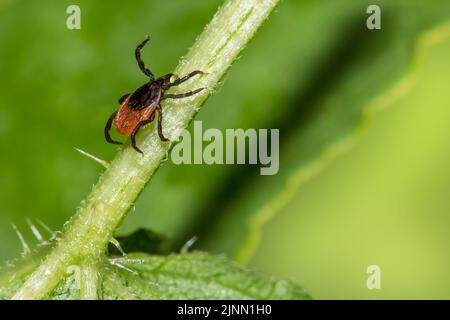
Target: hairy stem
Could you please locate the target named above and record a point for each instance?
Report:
(90, 229)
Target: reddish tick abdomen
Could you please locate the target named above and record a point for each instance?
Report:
(126, 119)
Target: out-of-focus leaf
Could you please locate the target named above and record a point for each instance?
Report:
(186, 276)
(367, 71)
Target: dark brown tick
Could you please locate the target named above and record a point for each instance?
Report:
(138, 108)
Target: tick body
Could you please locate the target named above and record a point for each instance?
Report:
(138, 109)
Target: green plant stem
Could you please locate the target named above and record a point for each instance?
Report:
(89, 279)
(88, 232)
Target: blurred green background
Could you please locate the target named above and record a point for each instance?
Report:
(386, 202)
(314, 71)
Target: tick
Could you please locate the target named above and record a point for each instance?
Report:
(138, 108)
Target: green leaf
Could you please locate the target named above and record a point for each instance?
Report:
(197, 276)
(15, 272)
(365, 73)
(194, 275)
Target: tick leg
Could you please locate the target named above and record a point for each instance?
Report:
(122, 98)
(183, 79)
(136, 130)
(166, 79)
(108, 128)
(160, 133)
(182, 95)
(141, 63)
(133, 139)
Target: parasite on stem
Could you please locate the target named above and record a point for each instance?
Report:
(138, 108)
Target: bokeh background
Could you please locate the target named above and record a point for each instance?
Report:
(364, 122)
